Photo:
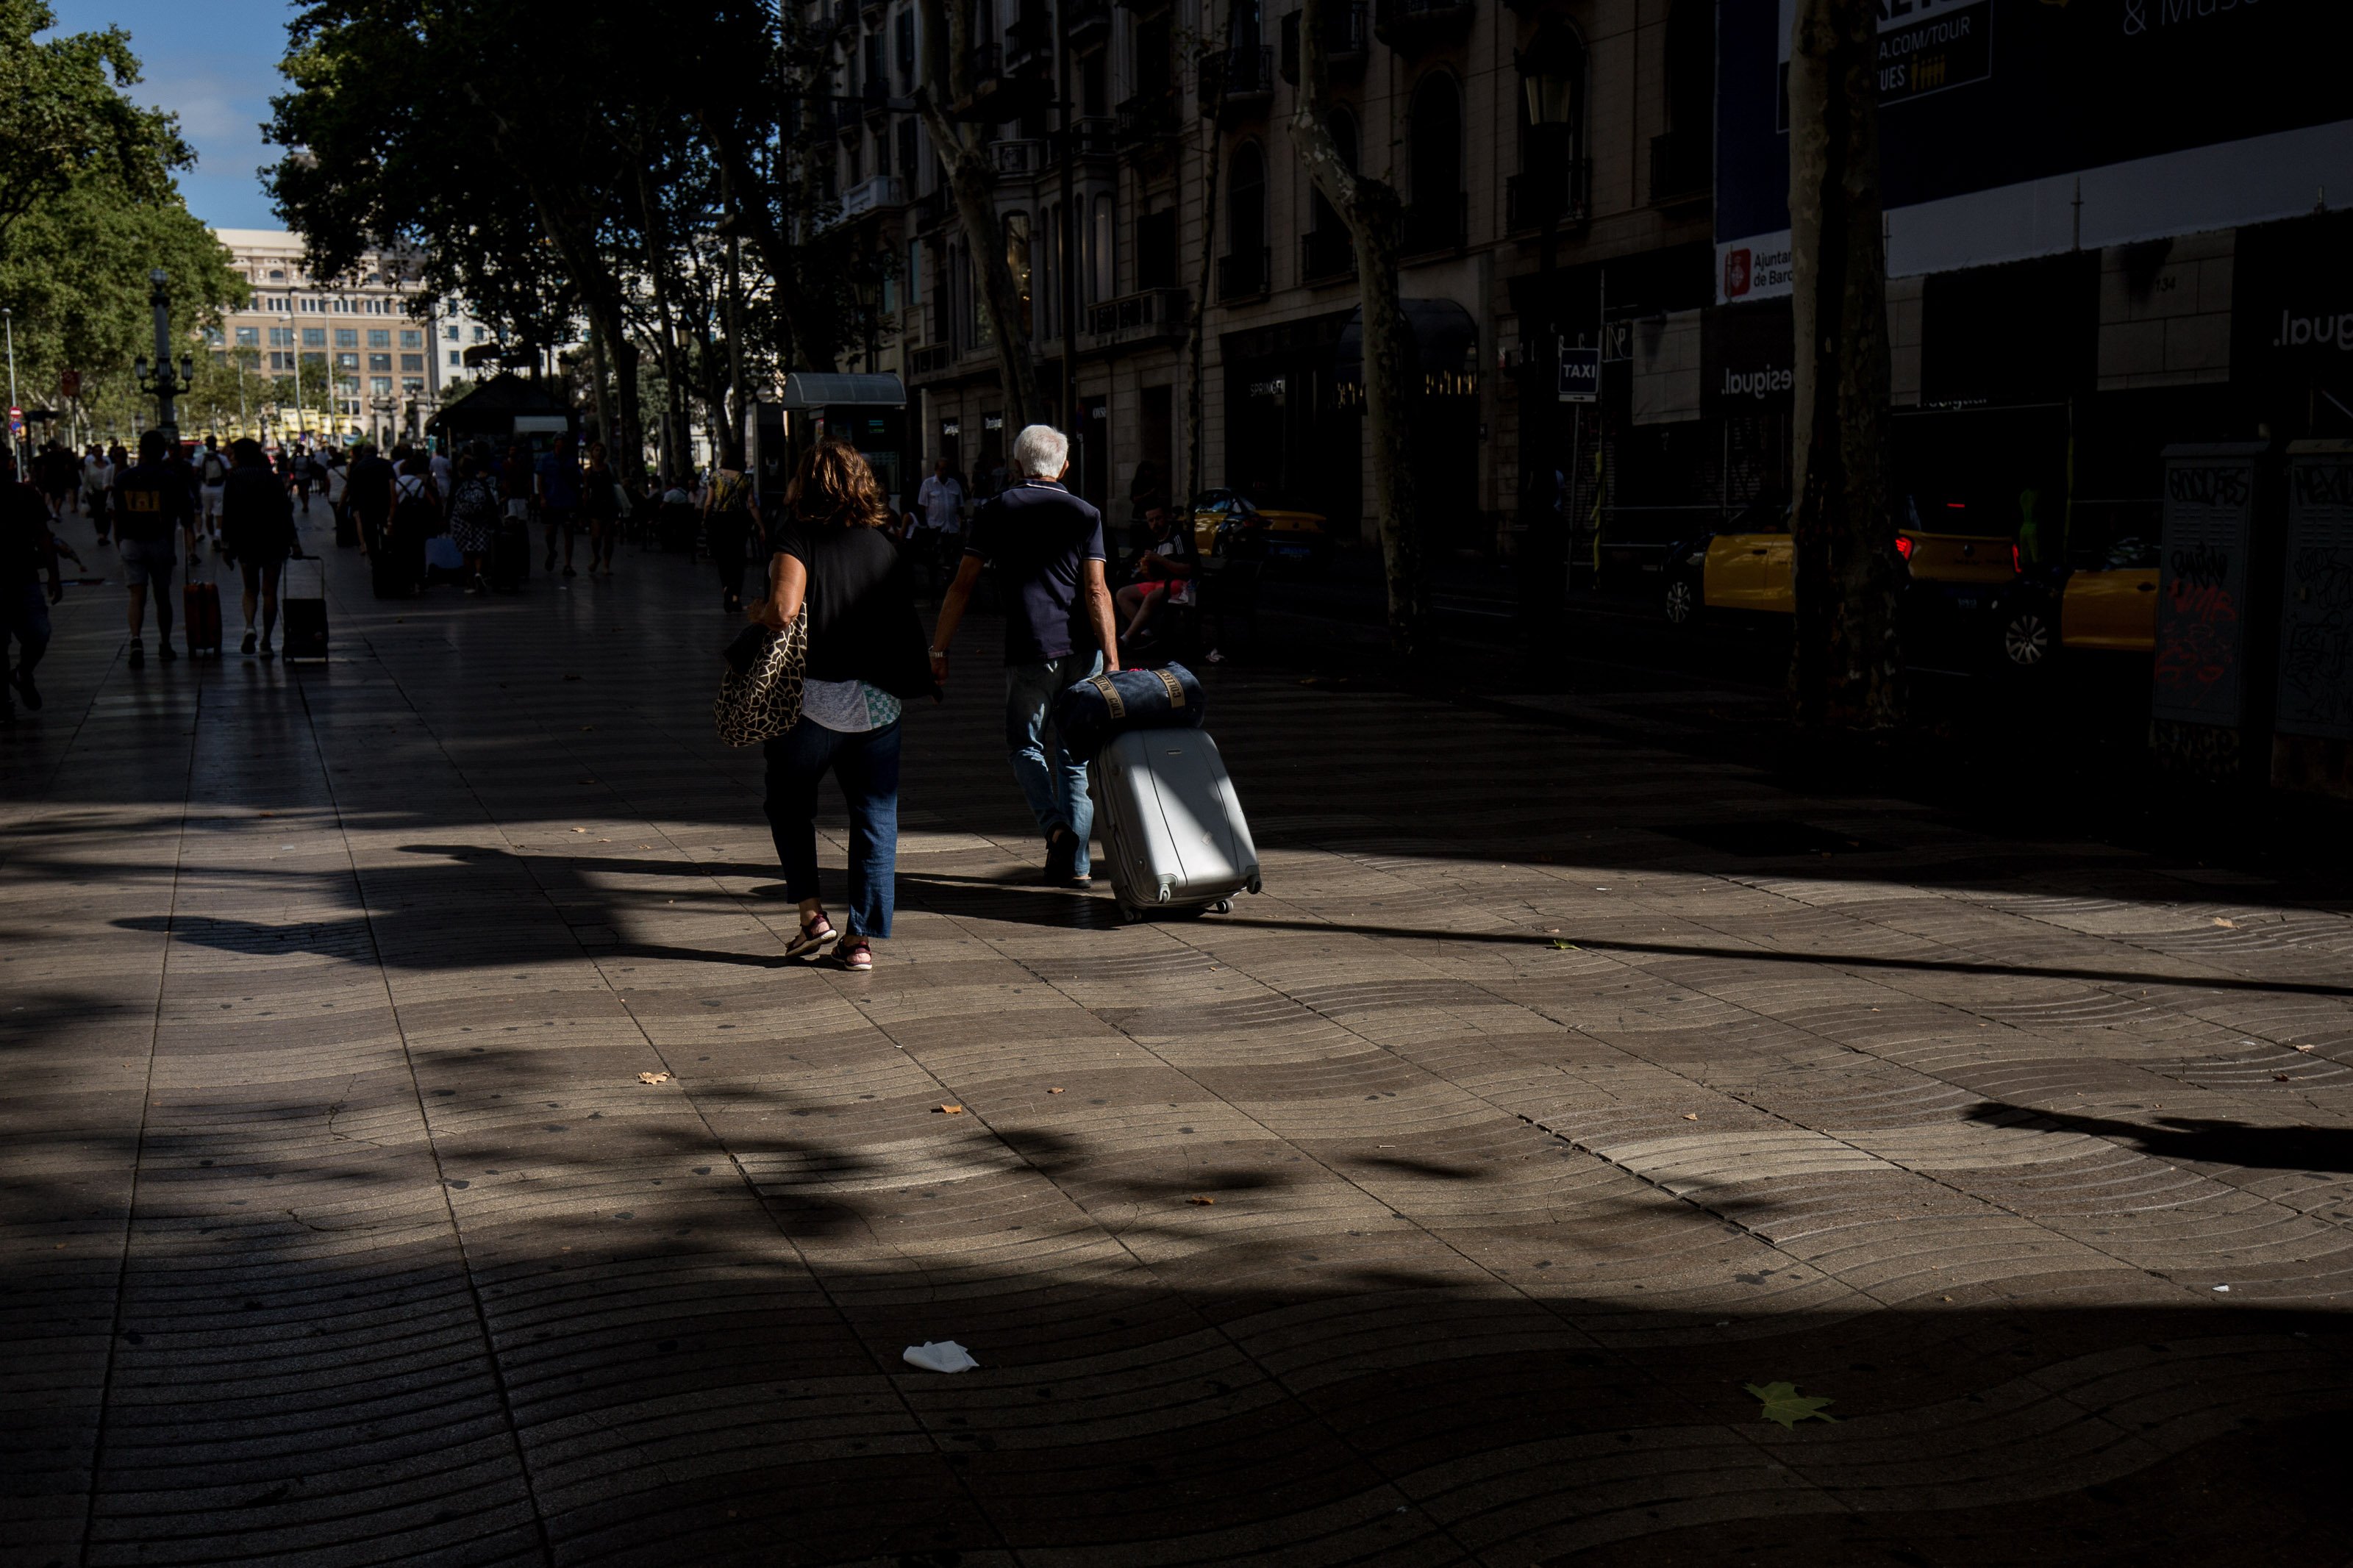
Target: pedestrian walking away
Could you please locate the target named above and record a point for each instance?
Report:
(834, 562)
(29, 553)
(474, 520)
(731, 518)
(152, 512)
(1048, 547)
(559, 500)
(96, 475)
(368, 492)
(601, 506)
(258, 530)
(212, 477)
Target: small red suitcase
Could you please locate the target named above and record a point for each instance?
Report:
(201, 611)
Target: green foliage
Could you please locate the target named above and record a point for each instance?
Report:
(1785, 1404)
(65, 121)
(87, 209)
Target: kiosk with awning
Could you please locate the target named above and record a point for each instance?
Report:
(506, 408)
(869, 411)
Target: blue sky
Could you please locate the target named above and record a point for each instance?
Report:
(215, 63)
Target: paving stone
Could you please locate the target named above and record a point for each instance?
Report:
(1437, 1207)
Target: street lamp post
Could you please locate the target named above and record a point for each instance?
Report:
(294, 346)
(9, 317)
(166, 382)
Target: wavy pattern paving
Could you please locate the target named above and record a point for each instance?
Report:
(1435, 1207)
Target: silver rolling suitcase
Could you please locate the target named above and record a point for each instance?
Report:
(1174, 834)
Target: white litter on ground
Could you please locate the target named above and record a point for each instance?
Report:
(942, 1355)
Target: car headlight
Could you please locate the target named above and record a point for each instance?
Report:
(1697, 558)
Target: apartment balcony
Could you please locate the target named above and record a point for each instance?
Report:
(1000, 93)
(1243, 275)
(1435, 225)
(1246, 72)
(1347, 38)
(930, 359)
(1409, 25)
(1086, 22)
(882, 193)
(1030, 45)
(1560, 195)
(1155, 315)
(1683, 165)
(1021, 159)
(1148, 122)
(1095, 136)
(1326, 255)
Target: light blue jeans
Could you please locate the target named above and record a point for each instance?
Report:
(1054, 782)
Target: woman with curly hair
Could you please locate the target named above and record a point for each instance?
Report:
(834, 562)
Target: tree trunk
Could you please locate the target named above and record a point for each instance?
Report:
(963, 148)
(1371, 210)
(1845, 671)
(599, 374)
(1193, 346)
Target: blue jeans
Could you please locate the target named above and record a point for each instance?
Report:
(867, 765)
(1054, 782)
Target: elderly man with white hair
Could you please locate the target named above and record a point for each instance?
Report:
(1048, 546)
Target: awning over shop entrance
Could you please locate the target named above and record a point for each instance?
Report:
(1444, 338)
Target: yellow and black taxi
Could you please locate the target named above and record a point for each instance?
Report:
(1227, 522)
(1954, 577)
(2105, 602)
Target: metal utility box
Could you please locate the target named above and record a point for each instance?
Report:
(2312, 746)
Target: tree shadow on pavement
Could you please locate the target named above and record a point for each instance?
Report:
(2195, 1141)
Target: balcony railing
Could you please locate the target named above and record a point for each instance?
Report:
(1326, 255)
(1345, 32)
(1443, 225)
(1017, 159)
(930, 359)
(1557, 194)
(1247, 73)
(1399, 21)
(1134, 318)
(1086, 20)
(880, 193)
(1145, 119)
(1682, 164)
(1030, 41)
(1095, 136)
(1243, 275)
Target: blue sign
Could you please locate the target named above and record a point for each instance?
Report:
(1580, 375)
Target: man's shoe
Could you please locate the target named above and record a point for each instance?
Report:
(31, 693)
(138, 654)
(163, 646)
(247, 646)
(266, 653)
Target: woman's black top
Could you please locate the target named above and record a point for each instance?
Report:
(257, 517)
(860, 603)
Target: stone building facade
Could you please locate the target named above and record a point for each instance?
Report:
(1609, 153)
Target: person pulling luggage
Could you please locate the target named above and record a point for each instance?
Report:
(258, 527)
(1048, 546)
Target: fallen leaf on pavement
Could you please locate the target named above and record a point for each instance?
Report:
(1053, 1091)
(1784, 1404)
(2306, 1049)
(579, 830)
(2220, 922)
(1568, 947)
(949, 1110)
(653, 1077)
(1690, 1116)
(1203, 1201)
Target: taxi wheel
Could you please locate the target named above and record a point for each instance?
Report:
(2026, 639)
(1681, 602)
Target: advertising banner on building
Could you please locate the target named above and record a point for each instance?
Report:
(2017, 127)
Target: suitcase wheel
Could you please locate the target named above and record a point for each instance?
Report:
(1128, 915)
(1222, 907)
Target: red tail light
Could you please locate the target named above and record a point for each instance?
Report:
(2017, 561)
(1903, 547)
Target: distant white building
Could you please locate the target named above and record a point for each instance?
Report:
(357, 331)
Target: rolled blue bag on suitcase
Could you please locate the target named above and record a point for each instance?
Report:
(1101, 706)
